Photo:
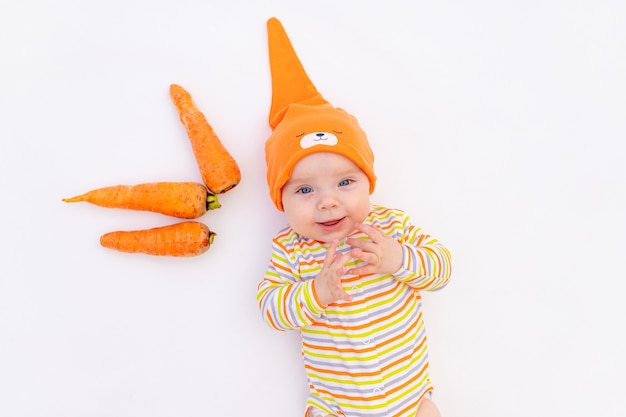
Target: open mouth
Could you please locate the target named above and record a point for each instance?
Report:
(331, 224)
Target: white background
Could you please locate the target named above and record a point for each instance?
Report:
(497, 125)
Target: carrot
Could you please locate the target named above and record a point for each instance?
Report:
(186, 200)
(218, 168)
(189, 238)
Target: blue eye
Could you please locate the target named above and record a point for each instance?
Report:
(305, 190)
(343, 183)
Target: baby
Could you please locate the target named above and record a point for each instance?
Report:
(346, 273)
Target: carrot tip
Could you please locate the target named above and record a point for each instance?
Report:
(72, 199)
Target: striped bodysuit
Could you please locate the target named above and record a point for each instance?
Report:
(369, 356)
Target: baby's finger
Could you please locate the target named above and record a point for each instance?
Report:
(336, 266)
(368, 257)
(362, 270)
(339, 264)
(342, 294)
(372, 232)
(362, 244)
(345, 296)
(330, 255)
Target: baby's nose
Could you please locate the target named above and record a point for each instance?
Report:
(328, 201)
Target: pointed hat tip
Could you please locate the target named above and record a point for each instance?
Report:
(290, 82)
(275, 28)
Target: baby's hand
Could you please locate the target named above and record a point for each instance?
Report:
(328, 282)
(383, 254)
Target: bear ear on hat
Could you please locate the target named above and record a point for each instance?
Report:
(290, 82)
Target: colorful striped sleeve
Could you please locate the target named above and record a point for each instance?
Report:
(426, 263)
(286, 301)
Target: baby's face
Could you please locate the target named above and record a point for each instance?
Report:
(326, 196)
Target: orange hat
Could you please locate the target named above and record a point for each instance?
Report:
(303, 122)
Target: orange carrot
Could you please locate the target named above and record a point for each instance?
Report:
(187, 238)
(218, 168)
(185, 200)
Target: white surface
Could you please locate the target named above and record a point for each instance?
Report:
(499, 126)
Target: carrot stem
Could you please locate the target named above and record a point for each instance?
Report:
(212, 202)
